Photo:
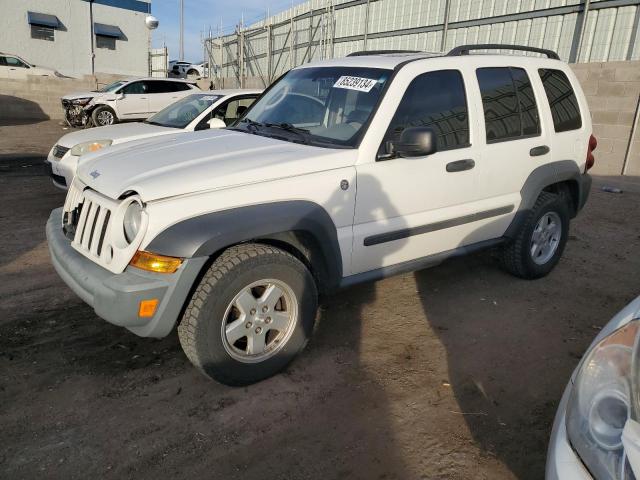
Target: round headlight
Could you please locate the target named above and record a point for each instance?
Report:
(132, 221)
(601, 402)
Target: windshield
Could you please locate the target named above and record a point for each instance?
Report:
(324, 106)
(183, 112)
(111, 87)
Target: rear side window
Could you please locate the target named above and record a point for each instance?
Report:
(562, 100)
(436, 100)
(510, 110)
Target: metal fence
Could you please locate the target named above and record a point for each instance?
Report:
(158, 62)
(579, 30)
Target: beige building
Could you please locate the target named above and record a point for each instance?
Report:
(78, 37)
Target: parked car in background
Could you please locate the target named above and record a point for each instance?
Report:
(344, 171)
(13, 66)
(198, 111)
(596, 433)
(188, 70)
(133, 99)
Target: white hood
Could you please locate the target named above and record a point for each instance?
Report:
(197, 161)
(120, 132)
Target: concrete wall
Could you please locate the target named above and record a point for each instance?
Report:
(70, 52)
(613, 90)
(38, 98)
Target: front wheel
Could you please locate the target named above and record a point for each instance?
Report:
(251, 314)
(541, 239)
(103, 116)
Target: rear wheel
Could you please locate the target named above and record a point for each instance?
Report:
(103, 116)
(193, 74)
(251, 314)
(539, 243)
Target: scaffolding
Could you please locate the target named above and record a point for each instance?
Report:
(579, 30)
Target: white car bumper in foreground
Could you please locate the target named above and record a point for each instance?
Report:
(562, 461)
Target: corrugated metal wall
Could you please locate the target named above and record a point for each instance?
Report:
(608, 33)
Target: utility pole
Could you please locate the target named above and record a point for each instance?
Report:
(181, 30)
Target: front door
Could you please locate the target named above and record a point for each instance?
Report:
(133, 101)
(409, 208)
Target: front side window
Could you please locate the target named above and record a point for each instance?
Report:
(183, 112)
(103, 41)
(562, 100)
(40, 32)
(231, 111)
(510, 110)
(436, 100)
(324, 106)
(15, 62)
(135, 88)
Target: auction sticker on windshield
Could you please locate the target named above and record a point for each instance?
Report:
(355, 83)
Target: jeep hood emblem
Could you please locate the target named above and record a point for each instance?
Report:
(95, 174)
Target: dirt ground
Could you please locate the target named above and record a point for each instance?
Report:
(453, 372)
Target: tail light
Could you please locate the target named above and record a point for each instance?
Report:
(593, 143)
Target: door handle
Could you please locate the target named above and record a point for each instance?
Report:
(537, 151)
(460, 165)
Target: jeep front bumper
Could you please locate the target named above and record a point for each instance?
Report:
(116, 297)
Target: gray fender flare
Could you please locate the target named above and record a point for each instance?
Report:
(295, 222)
(542, 177)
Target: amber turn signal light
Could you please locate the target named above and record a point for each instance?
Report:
(153, 262)
(147, 308)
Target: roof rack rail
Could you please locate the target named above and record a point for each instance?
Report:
(465, 49)
(379, 52)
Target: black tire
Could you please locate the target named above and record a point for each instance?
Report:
(200, 330)
(101, 113)
(516, 256)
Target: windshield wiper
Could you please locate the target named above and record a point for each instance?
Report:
(252, 123)
(302, 132)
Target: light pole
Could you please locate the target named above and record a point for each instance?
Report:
(181, 30)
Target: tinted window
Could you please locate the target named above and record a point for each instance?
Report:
(135, 88)
(159, 86)
(179, 86)
(562, 100)
(509, 104)
(526, 102)
(436, 100)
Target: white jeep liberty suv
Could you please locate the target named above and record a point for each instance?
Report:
(344, 171)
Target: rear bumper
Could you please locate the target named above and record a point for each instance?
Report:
(116, 297)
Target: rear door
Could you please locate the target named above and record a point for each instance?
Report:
(513, 139)
(163, 93)
(133, 101)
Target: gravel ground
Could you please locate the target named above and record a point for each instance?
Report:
(452, 372)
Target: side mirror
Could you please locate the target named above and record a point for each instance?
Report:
(120, 96)
(416, 142)
(216, 123)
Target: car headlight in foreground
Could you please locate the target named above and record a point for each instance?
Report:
(604, 403)
(88, 147)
